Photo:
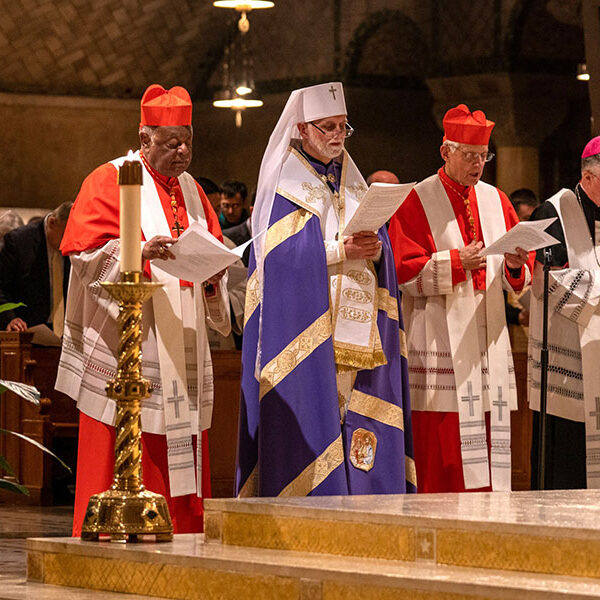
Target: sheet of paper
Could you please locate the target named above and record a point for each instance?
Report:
(198, 255)
(44, 336)
(377, 206)
(29, 392)
(529, 235)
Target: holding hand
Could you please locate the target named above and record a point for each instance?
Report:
(16, 325)
(470, 257)
(158, 247)
(362, 245)
(215, 278)
(515, 261)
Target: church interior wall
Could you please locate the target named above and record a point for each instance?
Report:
(383, 50)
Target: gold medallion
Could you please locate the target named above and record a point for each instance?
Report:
(362, 449)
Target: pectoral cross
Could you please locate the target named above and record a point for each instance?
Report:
(470, 398)
(175, 399)
(332, 91)
(178, 227)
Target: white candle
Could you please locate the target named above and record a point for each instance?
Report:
(130, 229)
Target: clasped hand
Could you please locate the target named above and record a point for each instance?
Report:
(470, 257)
(362, 245)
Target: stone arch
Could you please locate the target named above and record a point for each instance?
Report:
(536, 40)
(389, 50)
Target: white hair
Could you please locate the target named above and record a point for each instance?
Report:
(452, 145)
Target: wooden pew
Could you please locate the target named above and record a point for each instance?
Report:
(55, 419)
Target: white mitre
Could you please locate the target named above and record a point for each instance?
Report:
(303, 105)
(319, 101)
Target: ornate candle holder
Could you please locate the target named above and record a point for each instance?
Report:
(127, 510)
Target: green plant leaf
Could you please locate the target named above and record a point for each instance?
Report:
(5, 466)
(13, 486)
(10, 306)
(37, 445)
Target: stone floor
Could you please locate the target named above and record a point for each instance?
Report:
(20, 522)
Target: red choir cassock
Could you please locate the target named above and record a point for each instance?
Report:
(437, 441)
(94, 221)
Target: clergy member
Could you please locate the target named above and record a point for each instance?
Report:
(460, 363)
(176, 357)
(325, 406)
(573, 405)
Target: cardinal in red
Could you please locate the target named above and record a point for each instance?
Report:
(176, 357)
(459, 358)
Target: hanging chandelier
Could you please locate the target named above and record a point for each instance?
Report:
(244, 7)
(237, 89)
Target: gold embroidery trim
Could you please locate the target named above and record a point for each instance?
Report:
(377, 409)
(410, 470)
(387, 303)
(285, 228)
(348, 359)
(250, 488)
(295, 352)
(252, 296)
(403, 344)
(299, 202)
(317, 471)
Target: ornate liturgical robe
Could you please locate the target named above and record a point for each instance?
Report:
(175, 352)
(459, 352)
(573, 331)
(325, 406)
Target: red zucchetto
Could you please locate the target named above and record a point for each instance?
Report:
(591, 148)
(166, 108)
(466, 127)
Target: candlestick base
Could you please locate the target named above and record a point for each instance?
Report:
(127, 517)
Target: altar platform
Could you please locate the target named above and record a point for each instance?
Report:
(519, 545)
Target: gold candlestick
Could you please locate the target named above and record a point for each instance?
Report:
(127, 510)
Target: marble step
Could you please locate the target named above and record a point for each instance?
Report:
(16, 588)
(554, 532)
(190, 569)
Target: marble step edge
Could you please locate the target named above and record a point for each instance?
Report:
(424, 511)
(455, 543)
(190, 568)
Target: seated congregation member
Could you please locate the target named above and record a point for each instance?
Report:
(460, 361)
(212, 191)
(572, 425)
(233, 204)
(325, 406)
(9, 220)
(33, 271)
(382, 177)
(176, 358)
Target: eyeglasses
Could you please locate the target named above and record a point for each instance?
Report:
(475, 156)
(332, 130)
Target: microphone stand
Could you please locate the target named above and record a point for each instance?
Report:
(544, 376)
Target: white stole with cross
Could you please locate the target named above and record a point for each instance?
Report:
(575, 294)
(460, 309)
(185, 473)
(353, 283)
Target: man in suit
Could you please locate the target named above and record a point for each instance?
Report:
(33, 271)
